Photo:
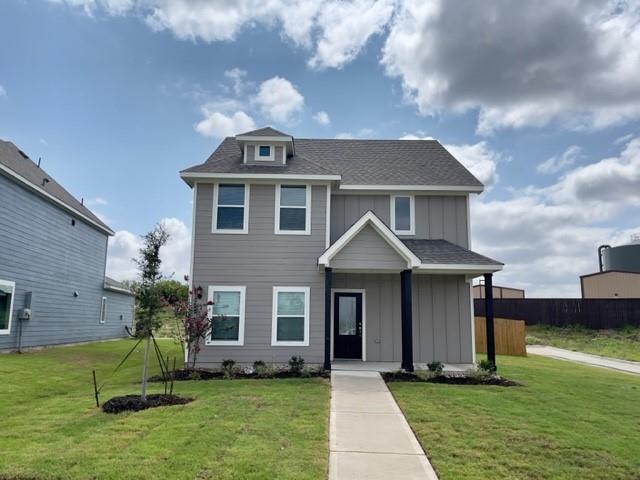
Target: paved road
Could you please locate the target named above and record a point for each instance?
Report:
(587, 358)
(369, 438)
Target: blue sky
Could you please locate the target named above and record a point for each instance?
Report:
(117, 96)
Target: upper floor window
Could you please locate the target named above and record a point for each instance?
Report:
(227, 315)
(7, 291)
(402, 214)
(264, 152)
(293, 212)
(230, 208)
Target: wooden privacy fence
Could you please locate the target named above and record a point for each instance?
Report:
(509, 336)
(597, 313)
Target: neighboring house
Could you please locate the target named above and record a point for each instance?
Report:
(498, 292)
(52, 263)
(349, 249)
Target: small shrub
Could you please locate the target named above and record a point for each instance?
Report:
(307, 372)
(262, 370)
(487, 365)
(228, 368)
(296, 364)
(436, 368)
(479, 375)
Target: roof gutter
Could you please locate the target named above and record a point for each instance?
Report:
(190, 177)
(40, 191)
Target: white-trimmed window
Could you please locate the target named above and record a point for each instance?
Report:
(7, 293)
(103, 310)
(264, 153)
(403, 214)
(290, 325)
(293, 209)
(227, 315)
(230, 208)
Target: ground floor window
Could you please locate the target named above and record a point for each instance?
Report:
(227, 315)
(290, 316)
(7, 292)
(103, 310)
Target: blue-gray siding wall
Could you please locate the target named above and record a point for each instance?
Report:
(43, 253)
(119, 311)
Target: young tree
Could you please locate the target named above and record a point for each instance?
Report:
(196, 324)
(148, 294)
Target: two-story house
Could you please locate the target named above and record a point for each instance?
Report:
(53, 250)
(334, 249)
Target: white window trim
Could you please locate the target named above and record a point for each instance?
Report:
(228, 288)
(245, 220)
(7, 283)
(103, 310)
(307, 221)
(261, 158)
(412, 215)
(274, 318)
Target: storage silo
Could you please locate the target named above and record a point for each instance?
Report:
(625, 258)
(619, 275)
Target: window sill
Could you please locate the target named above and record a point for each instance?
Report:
(227, 343)
(290, 344)
(231, 232)
(292, 232)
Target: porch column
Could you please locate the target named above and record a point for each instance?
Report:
(407, 320)
(488, 308)
(327, 317)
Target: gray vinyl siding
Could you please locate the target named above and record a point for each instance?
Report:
(259, 261)
(43, 253)
(119, 309)
(368, 250)
(442, 328)
(437, 217)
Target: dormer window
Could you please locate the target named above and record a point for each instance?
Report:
(264, 153)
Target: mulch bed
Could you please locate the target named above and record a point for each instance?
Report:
(133, 403)
(198, 374)
(448, 379)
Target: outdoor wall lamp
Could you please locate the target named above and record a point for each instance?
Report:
(199, 292)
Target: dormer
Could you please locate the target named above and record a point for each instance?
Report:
(265, 146)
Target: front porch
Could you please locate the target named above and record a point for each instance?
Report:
(365, 366)
(392, 303)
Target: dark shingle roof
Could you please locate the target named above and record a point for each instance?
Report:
(359, 162)
(445, 253)
(264, 132)
(18, 162)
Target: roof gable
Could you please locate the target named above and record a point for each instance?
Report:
(17, 165)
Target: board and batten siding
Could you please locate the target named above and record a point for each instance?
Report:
(437, 217)
(442, 329)
(368, 250)
(42, 252)
(259, 261)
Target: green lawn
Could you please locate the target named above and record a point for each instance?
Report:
(235, 429)
(622, 343)
(568, 421)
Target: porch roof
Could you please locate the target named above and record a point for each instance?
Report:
(423, 256)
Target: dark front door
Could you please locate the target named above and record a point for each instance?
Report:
(347, 325)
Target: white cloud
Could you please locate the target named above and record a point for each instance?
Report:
(519, 64)
(3, 91)
(112, 7)
(219, 125)
(559, 162)
(548, 236)
(345, 29)
(236, 76)
(322, 118)
(279, 100)
(124, 246)
(362, 133)
(344, 136)
(98, 201)
(413, 136)
(479, 160)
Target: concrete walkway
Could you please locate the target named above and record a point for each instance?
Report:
(586, 358)
(369, 437)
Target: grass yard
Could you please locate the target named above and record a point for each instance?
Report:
(568, 421)
(235, 429)
(622, 343)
